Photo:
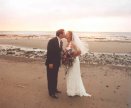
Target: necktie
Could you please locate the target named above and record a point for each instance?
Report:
(61, 48)
(61, 44)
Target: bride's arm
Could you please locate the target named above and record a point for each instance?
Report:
(77, 51)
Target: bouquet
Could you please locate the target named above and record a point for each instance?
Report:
(68, 59)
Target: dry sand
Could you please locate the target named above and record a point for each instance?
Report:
(23, 84)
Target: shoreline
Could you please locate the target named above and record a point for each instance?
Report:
(119, 59)
(94, 46)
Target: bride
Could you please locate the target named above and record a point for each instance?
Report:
(75, 85)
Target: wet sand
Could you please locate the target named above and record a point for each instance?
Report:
(94, 46)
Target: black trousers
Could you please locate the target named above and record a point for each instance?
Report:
(52, 75)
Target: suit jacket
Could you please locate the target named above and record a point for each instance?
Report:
(53, 52)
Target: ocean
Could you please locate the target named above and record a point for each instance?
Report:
(88, 35)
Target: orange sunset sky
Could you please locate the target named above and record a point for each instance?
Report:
(77, 15)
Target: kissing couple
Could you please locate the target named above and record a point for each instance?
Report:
(54, 57)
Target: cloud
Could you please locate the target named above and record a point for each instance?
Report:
(90, 8)
(52, 12)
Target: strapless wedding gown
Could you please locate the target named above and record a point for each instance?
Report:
(74, 81)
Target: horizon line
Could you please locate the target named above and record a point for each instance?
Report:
(54, 31)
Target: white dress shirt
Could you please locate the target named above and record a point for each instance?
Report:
(59, 40)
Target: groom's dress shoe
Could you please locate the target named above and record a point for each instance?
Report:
(57, 91)
(54, 96)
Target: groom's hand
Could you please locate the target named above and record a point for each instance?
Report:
(51, 66)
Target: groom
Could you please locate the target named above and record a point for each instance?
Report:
(53, 61)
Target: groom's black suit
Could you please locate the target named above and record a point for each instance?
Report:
(53, 57)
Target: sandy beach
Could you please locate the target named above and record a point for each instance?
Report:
(94, 46)
(23, 82)
(24, 85)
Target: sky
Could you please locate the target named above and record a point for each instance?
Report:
(76, 15)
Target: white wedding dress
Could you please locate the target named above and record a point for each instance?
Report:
(74, 80)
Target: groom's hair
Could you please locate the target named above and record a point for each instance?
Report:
(59, 32)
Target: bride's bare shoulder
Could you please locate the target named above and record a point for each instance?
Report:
(73, 44)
